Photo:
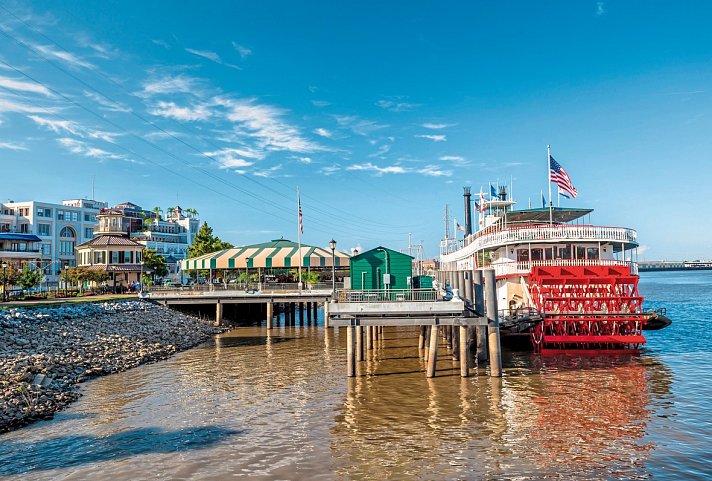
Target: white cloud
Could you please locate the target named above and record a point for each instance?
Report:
(212, 56)
(31, 87)
(161, 43)
(358, 125)
(433, 137)
(187, 114)
(12, 146)
(600, 9)
(368, 166)
(171, 85)
(242, 50)
(434, 171)
(106, 103)
(242, 152)
(432, 126)
(58, 126)
(330, 169)
(382, 150)
(265, 124)
(63, 55)
(454, 159)
(323, 133)
(11, 106)
(304, 160)
(268, 172)
(82, 148)
(396, 105)
(320, 103)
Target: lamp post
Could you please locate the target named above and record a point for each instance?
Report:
(66, 266)
(388, 273)
(4, 281)
(332, 244)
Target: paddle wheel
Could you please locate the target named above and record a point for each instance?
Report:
(587, 307)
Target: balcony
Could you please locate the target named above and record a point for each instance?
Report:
(452, 250)
(505, 269)
(109, 229)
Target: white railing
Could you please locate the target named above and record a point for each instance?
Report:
(524, 267)
(386, 295)
(453, 251)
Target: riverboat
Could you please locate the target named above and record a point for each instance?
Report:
(561, 281)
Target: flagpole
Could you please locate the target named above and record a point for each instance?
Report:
(299, 237)
(548, 170)
(558, 196)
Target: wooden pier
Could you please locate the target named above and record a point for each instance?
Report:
(470, 318)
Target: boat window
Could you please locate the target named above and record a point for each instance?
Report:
(537, 254)
(580, 252)
(522, 255)
(564, 253)
(549, 252)
(592, 253)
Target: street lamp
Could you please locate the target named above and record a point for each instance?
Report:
(332, 244)
(4, 281)
(66, 266)
(388, 273)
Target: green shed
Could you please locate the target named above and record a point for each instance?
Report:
(381, 267)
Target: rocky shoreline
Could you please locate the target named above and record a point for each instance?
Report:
(46, 352)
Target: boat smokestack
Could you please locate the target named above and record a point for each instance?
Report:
(502, 192)
(468, 211)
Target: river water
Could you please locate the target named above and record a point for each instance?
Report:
(248, 405)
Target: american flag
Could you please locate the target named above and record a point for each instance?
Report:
(561, 178)
(301, 224)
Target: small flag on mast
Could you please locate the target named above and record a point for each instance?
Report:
(493, 192)
(301, 224)
(459, 227)
(561, 178)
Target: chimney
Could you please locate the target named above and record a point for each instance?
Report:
(468, 212)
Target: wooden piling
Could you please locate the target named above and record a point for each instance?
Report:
(426, 351)
(455, 343)
(301, 313)
(481, 331)
(369, 338)
(218, 314)
(495, 354)
(270, 314)
(350, 352)
(421, 337)
(433, 351)
(464, 353)
(359, 343)
(315, 312)
(309, 313)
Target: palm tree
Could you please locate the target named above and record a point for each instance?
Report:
(191, 212)
(157, 211)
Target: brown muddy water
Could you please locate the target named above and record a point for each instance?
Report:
(279, 406)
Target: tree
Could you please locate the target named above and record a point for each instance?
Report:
(11, 275)
(205, 242)
(154, 262)
(29, 278)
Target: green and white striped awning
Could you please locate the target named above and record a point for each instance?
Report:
(280, 253)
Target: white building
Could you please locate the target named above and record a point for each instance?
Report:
(60, 228)
(171, 237)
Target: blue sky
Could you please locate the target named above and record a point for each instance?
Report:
(379, 111)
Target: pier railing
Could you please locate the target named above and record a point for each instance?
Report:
(263, 288)
(386, 295)
(452, 250)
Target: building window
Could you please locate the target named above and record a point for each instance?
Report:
(67, 232)
(24, 228)
(24, 211)
(66, 248)
(46, 249)
(88, 232)
(44, 230)
(42, 212)
(114, 257)
(99, 257)
(89, 218)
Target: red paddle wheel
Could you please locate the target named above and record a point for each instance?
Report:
(587, 307)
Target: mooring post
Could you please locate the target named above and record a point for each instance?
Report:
(301, 313)
(433, 350)
(426, 351)
(455, 343)
(359, 343)
(464, 348)
(350, 352)
(270, 314)
(421, 338)
(218, 314)
(309, 313)
(493, 324)
(315, 311)
(369, 338)
(481, 331)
